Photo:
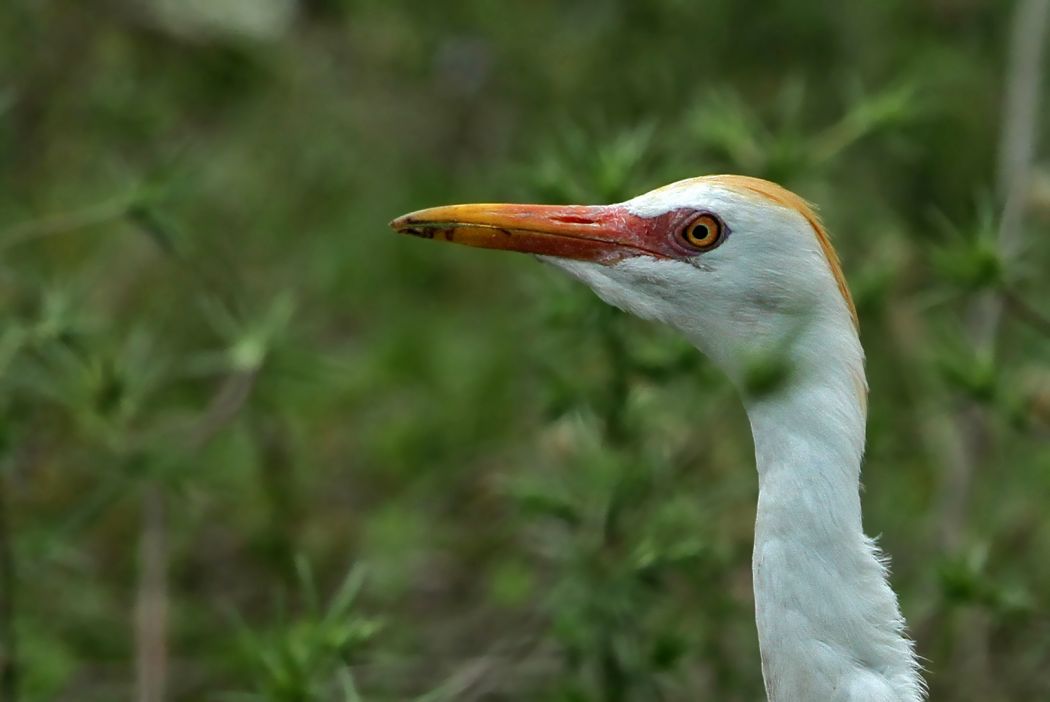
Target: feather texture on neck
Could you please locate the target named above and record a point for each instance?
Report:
(829, 624)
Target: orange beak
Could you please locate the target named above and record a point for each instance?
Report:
(602, 233)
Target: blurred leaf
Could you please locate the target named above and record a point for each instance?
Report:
(970, 258)
(306, 657)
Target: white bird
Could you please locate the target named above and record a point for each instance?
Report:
(743, 268)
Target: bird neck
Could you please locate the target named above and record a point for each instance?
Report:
(828, 623)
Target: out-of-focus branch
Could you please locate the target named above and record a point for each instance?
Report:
(1017, 143)
(1023, 78)
(8, 638)
(151, 602)
(151, 605)
(1025, 312)
(65, 222)
(1017, 146)
(1020, 113)
(223, 408)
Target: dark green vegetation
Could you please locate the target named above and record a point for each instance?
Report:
(256, 447)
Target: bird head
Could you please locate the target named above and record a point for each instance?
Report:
(738, 265)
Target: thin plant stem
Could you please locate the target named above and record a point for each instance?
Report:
(65, 222)
(1025, 312)
(1017, 146)
(8, 633)
(151, 603)
(1023, 79)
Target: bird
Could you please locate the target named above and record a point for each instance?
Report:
(744, 268)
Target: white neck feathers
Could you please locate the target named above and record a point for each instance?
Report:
(829, 625)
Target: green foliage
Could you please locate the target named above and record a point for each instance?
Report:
(780, 146)
(308, 658)
(971, 261)
(201, 300)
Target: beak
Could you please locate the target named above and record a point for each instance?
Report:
(602, 233)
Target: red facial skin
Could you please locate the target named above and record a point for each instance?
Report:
(604, 234)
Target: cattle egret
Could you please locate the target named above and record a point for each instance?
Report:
(743, 268)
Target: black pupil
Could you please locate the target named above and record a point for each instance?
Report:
(701, 231)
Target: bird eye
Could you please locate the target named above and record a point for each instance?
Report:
(704, 232)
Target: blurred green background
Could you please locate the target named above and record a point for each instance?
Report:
(256, 447)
